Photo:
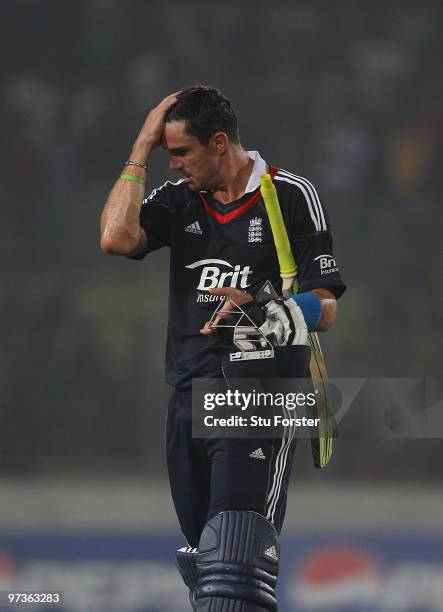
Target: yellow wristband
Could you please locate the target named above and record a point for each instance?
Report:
(133, 178)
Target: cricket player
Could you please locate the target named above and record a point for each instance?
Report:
(229, 494)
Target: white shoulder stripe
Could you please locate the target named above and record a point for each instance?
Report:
(314, 193)
(152, 194)
(310, 204)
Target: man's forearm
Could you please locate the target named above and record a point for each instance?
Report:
(120, 229)
(121, 233)
(328, 308)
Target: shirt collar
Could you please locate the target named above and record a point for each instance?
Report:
(259, 168)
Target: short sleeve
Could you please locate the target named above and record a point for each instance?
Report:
(317, 265)
(155, 220)
(311, 238)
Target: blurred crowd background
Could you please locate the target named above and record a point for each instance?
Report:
(346, 93)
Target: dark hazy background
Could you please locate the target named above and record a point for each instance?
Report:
(346, 93)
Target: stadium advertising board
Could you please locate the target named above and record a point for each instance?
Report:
(136, 572)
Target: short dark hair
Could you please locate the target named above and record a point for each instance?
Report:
(206, 111)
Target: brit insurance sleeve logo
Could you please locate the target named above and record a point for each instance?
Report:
(327, 264)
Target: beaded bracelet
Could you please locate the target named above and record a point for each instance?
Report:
(131, 162)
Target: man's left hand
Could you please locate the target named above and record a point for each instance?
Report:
(238, 298)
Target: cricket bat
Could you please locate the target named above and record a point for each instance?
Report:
(321, 445)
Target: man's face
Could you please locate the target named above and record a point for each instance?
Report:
(199, 164)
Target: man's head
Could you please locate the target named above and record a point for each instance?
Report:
(205, 111)
(200, 128)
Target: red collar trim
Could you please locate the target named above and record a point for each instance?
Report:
(225, 218)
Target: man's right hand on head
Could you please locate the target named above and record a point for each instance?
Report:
(150, 136)
(120, 229)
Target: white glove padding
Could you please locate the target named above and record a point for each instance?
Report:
(285, 323)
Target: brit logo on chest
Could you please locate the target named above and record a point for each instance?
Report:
(219, 273)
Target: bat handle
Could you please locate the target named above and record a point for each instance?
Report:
(289, 285)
